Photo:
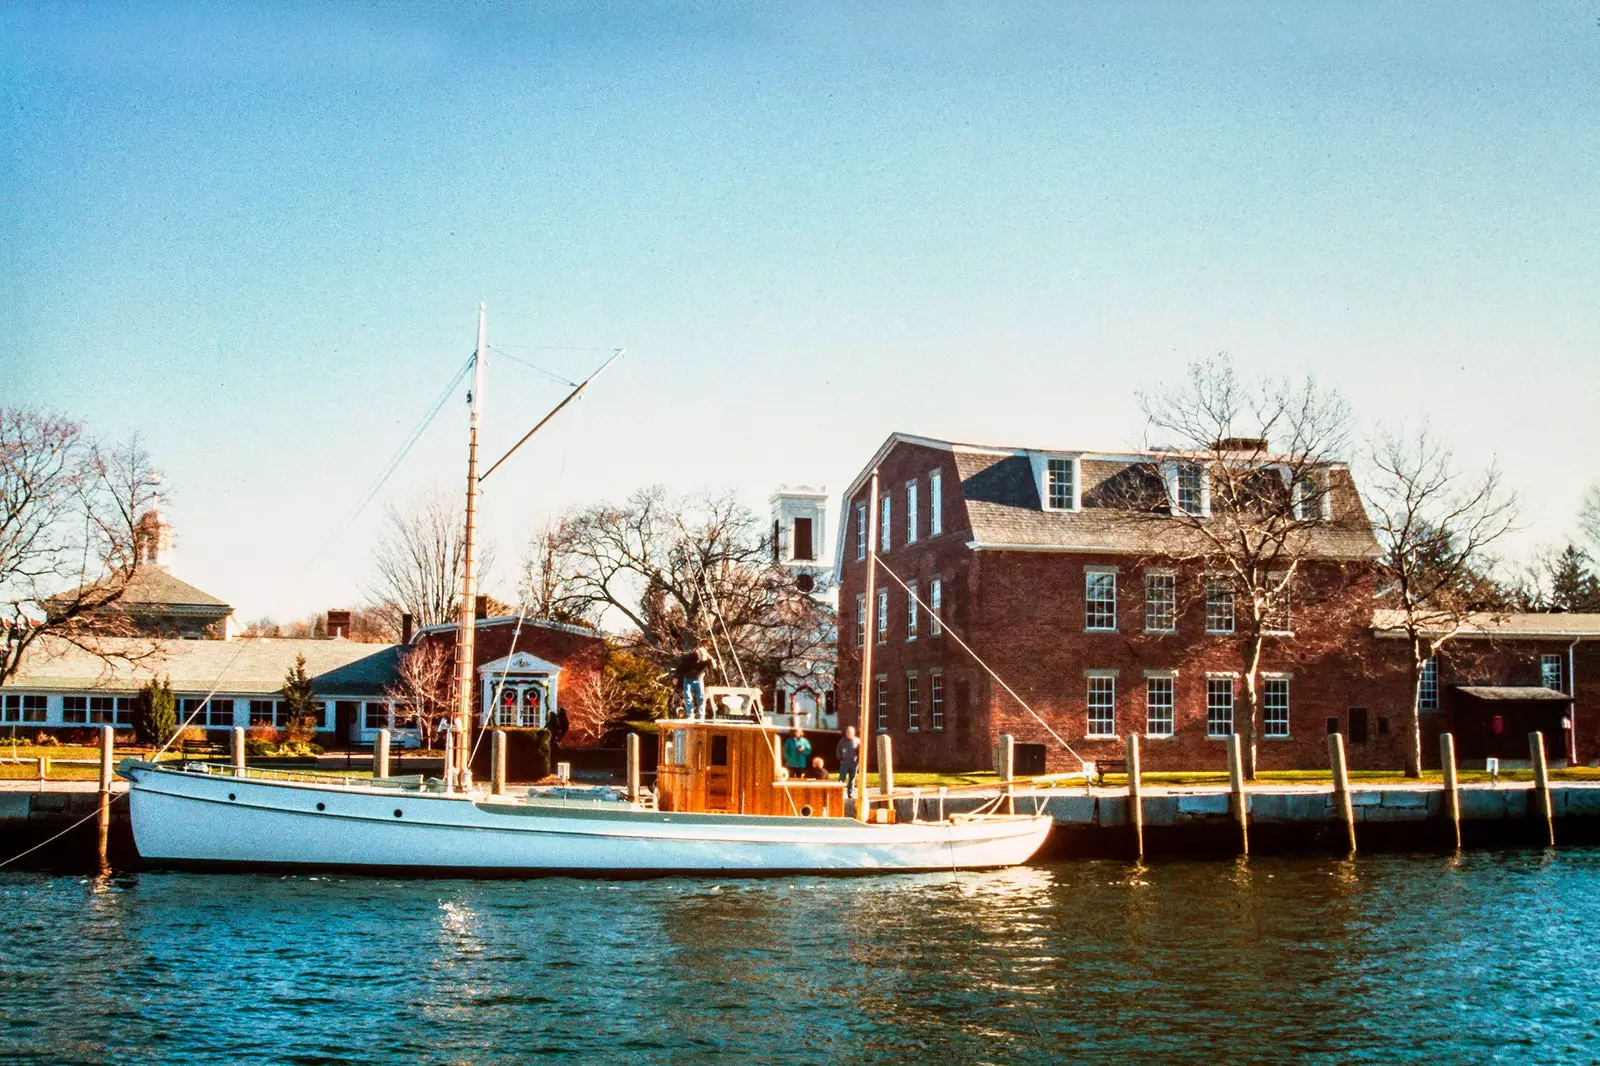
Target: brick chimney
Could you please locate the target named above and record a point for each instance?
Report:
(338, 623)
(406, 625)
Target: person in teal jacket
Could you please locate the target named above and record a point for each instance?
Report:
(796, 752)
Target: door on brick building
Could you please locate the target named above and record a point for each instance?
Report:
(1358, 725)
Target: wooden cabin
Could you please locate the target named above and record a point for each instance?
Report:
(736, 768)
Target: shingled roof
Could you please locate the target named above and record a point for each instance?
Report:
(1001, 493)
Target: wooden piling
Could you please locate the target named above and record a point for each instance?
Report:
(44, 770)
(1541, 786)
(380, 754)
(943, 790)
(633, 767)
(1135, 797)
(916, 805)
(449, 760)
(1341, 788)
(103, 821)
(1007, 769)
(497, 762)
(1240, 803)
(1452, 786)
(885, 765)
(238, 751)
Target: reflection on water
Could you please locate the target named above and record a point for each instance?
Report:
(1482, 957)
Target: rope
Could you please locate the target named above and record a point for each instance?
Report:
(50, 840)
(950, 632)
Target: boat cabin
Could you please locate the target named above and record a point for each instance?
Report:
(736, 767)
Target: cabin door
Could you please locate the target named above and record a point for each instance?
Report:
(719, 775)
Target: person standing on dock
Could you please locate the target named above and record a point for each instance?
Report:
(691, 670)
(796, 752)
(849, 752)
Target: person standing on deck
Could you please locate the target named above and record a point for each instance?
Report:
(691, 670)
(796, 752)
(849, 751)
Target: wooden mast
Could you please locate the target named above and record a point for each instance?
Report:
(461, 736)
(869, 635)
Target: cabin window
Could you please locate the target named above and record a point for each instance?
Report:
(1158, 706)
(680, 747)
(1219, 706)
(719, 750)
(25, 708)
(935, 503)
(1275, 707)
(1428, 686)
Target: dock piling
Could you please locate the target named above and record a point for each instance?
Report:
(380, 754)
(1541, 786)
(1452, 786)
(633, 767)
(885, 765)
(1007, 768)
(1341, 788)
(1240, 803)
(1135, 797)
(238, 751)
(497, 762)
(103, 820)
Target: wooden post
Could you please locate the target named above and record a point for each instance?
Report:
(633, 767)
(1135, 796)
(942, 791)
(885, 765)
(1236, 785)
(1541, 786)
(1341, 788)
(1008, 769)
(380, 754)
(449, 760)
(44, 770)
(238, 751)
(1452, 787)
(103, 822)
(916, 805)
(868, 637)
(497, 762)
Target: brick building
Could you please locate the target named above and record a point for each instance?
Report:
(1025, 555)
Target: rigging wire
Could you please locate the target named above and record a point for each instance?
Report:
(552, 375)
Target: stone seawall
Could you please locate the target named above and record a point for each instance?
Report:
(29, 819)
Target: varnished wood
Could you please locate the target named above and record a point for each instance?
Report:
(735, 768)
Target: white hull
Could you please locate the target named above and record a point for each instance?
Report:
(201, 819)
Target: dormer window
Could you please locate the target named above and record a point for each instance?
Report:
(1057, 479)
(1311, 502)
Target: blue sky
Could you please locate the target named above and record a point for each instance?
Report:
(258, 234)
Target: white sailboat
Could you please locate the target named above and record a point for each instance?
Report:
(722, 803)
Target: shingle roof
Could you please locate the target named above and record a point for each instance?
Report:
(1513, 693)
(1521, 625)
(246, 666)
(153, 587)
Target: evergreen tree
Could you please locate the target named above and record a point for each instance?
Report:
(300, 704)
(1572, 586)
(156, 717)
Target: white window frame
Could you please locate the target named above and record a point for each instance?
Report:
(1217, 686)
(1277, 579)
(1318, 481)
(911, 511)
(936, 607)
(913, 703)
(885, 522)
(1170, 473)
(861, 531)
(1154, 680)
(1551, 665)
(881, 706)
(1171, 580)
(1041, 476)
(1222, 583)
(1270, 682)
(1093, 583)
(1100, 694)
(883, 616)
(935, 502)
(861, 620)
(1428, 685)
(911, 611)
(936, 700)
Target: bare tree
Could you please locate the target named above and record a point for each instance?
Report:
(548, 592)
(422, 684)
(1245, 499)
(1437, 528)
(417, 562)
(1589, 517)
(682, 571)
(69, 538)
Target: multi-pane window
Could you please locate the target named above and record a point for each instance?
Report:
(935, 607)
(1277, 618)
(1219, 706)
(882, 704)
(1102, 706)
(911, 511)
(24, 708)
(911, 610)
(936, 702)
(207, 714)
(1100, 599)
(1059, 484)
(1190, 489)
(1219, 604)
(935, 503)
(913, 703)
(883, 616)
(264, 712)
(1550, 672)
(1158, 706)
(1275, 707)
(1309, 496)
(98, 710)
(1428, 686)
(861, 531)
(861, 619)
(885, 513)
(1160, 602)
(374, 714)
(74, 709)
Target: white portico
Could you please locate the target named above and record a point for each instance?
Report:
(519, 690)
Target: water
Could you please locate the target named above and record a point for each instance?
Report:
(1485, 958)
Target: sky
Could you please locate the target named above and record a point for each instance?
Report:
(257, 235)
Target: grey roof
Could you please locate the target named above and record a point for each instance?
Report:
(151, 587)
(245, 666)
(1519, 625)
(511, 619)
(1510, 693)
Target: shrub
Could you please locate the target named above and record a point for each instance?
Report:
(193, 735)
(267, 734)
(155, 716)
(527, 755)
(47, 740)
(257, 746)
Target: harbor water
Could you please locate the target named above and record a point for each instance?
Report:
(1489, 956)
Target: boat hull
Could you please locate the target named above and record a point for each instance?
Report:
(211, 821)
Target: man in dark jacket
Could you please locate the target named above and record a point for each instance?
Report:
(691, 670)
